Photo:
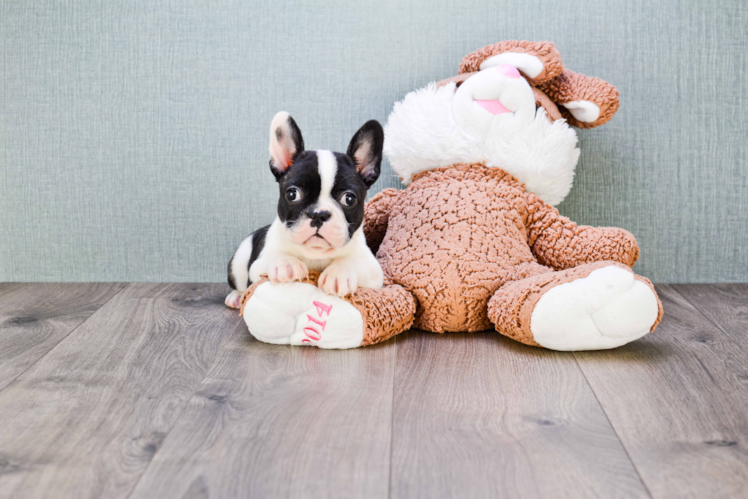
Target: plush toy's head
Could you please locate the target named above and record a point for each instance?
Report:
(502, 109)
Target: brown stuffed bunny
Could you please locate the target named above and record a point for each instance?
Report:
(472, 242)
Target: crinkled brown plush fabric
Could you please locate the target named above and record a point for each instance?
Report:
(570, 86)
(386, 312)
(545, 51)
(559, 243)
(376, 216)
(457, 234)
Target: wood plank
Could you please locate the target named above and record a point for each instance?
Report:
(725, 304)
(86, 420)
(479, 415)
(280, 421)
(34, 317)
(6, 286)
(677, 399)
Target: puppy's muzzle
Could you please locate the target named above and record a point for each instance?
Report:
(319, 217)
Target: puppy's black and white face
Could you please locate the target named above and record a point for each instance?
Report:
(322, 193)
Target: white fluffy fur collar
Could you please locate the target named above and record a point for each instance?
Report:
(422, 133)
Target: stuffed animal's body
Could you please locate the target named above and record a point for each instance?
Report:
(472, 242)
(478, 251)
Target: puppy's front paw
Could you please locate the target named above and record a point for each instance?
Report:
(285, 269)
(234, 300)
(338, 280)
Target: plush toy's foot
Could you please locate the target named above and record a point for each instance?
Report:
(234, 299)
(300, 313)
(593, 306)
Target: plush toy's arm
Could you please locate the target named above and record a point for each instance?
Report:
(377, 216)
(561, 244)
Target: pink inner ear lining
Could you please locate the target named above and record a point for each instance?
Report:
(508, 70)
(282, 155)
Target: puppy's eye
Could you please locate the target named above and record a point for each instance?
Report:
(348, 199)
(293, 195)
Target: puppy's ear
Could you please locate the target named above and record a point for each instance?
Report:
(286, 143)
(366, 151)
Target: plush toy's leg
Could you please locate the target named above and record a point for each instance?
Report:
(300, 313)
(593, 306)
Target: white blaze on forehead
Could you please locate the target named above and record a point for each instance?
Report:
(327, 166)
(335, 229)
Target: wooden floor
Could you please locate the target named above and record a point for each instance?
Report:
(158, 390)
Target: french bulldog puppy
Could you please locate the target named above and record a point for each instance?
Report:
(320, 212)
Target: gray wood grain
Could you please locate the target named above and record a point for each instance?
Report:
(6, 286)
(479, 415)
(107, 395)
(34, 317)
(86, 420)
(677, 399)
(280, 421)
(725, 304)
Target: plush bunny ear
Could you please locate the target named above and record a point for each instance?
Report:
(585, 101)
(285, 143)
(538, 61)
(366, 151)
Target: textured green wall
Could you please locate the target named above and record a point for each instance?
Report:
(133, 134)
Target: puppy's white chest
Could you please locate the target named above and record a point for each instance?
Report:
(317, 264)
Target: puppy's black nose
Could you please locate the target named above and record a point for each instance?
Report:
(319, 218)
